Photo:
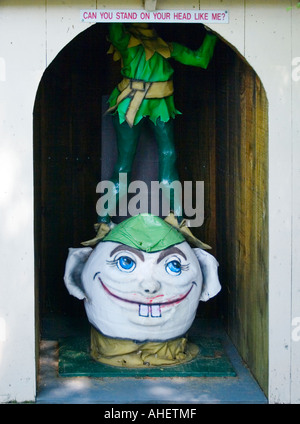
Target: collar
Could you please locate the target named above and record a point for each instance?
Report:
(148, 38)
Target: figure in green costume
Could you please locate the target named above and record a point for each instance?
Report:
(146, 92)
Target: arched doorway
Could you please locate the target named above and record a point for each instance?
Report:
(221, 138)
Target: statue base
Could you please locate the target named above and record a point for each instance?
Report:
(131, 354)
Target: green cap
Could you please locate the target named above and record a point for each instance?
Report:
(145, 232)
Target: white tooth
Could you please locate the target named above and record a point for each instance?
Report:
(155, 311)
(144, 310)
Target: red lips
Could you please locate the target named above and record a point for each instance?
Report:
(171, 302)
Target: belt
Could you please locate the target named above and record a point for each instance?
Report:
(138, 91)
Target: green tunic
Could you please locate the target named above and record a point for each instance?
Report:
(156, 68)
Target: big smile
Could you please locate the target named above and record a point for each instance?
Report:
(149, 308)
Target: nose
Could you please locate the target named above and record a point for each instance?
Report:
(150, 286)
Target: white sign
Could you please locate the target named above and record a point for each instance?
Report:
(166, 16)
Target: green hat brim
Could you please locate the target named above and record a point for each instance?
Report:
(145, 232)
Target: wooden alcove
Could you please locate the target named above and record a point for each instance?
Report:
(221, 138)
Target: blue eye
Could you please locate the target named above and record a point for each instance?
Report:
(125, 263)
(173, 268)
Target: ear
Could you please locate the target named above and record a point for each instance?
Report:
(74, 265)
(209, 267)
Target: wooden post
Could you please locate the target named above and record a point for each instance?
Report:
(150, 5)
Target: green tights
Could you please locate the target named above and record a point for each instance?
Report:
(127, 140)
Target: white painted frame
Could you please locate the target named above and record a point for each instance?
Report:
(31, 35)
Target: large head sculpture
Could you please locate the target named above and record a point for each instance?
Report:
(143, 281)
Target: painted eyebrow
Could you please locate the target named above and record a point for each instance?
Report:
(169, 251)
(131, 249)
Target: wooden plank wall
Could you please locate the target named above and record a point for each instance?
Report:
(295, 296)
(242, 208)
(221, 139)
(67, 143)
